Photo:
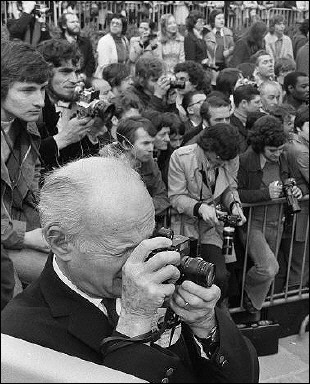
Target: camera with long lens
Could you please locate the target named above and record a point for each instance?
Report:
(230, 223)
(90, 104)
(194, 269)
(292, 201)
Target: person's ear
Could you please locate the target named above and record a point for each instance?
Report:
(57, 239)
(290, 88)
(244, 104)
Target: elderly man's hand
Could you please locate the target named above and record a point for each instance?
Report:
(195, 306)
(146, 285)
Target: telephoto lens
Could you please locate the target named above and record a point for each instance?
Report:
(228, 241)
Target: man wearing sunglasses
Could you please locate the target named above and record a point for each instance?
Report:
(64, 135)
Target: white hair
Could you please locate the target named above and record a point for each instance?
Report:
(68, 199)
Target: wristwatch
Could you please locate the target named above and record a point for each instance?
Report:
(211, 342)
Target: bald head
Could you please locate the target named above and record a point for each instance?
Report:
(96, 197)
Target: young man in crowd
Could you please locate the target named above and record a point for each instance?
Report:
(192, 103)
(98, 219)
(65, 135)
(262, 172)
(195, 78)
(135, 139)
(246, 99)
(150, 84)
(264, 67)
(24, 76)
(201, 176)
(70, 27)
(270, 93)
(296, 85)
(297, 152)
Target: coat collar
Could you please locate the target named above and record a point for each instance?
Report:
(86, 321)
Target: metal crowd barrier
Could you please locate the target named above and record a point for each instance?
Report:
(299, 292)
(237, 18)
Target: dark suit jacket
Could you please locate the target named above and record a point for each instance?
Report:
(50, 314)
(243, 133)
(49, 149)
(88, 63)
(18, 28)
(195, 49)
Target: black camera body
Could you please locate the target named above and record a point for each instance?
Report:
(177, 84)
(292, 202)
(194, 269)
(230, 223)
(39, 9)
(226, 218)
(89, 104)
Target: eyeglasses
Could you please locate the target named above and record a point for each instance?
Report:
(116, 23)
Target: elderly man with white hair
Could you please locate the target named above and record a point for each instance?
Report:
(101, 295)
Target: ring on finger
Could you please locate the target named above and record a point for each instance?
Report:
(186, 304)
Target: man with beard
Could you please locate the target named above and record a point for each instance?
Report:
(65, 136)
(70, 27)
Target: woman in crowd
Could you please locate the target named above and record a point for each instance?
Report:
(278, 45)
(114, 46)
(144, 44)
(195, 45)
(170, 42)
(249, 43)
(220, 42)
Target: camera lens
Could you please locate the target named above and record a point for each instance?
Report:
(197, 270)
(228, 241)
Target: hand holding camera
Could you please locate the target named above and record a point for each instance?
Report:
(208, 214)
(194, 305)
(28, 6)
(74, 131)
(146, 284)
(161, 87)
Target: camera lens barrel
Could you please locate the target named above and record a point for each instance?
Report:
(228, 241)
(198, 271)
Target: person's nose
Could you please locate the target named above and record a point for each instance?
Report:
(73, 77)
(167, 138)
(39, 99)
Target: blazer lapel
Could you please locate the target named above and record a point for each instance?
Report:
(86, 321)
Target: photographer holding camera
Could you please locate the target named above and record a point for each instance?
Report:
(263, 176)
(98, 219)
(145, 44)
(65, 135)
(200, 176)
(29, 24)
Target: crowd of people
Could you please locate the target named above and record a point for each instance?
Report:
(99, 150)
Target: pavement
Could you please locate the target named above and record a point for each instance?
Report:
(290, 364)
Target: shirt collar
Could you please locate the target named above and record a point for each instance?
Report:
(239, 115)
(263, 161)
(65, 280)
(214, 30)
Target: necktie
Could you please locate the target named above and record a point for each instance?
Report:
(110, 305)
